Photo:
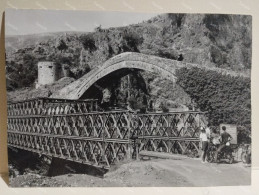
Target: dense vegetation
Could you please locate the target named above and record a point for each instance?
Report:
(227, 99)
(23, 74)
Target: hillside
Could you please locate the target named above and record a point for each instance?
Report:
(213, 40)
(16, 42)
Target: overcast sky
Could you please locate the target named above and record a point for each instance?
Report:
(22, 22)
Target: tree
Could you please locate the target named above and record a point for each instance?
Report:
(61, 45)
(132, 40)
(88, 42)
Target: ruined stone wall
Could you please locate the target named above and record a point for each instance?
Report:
(48, 72)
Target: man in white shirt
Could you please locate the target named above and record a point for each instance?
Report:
(207, 130)
(204, 144)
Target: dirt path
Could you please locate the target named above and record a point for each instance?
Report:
(208, 174)
(160, 173)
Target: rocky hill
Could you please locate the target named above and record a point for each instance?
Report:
(214, 40)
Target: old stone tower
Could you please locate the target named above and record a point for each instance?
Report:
(48, 72)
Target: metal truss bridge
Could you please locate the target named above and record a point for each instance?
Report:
(76, 130)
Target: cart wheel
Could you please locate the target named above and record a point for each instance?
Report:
(210, 157)
(231, 160)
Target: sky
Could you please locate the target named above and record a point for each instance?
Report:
(24, 22)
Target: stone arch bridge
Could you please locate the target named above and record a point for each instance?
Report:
(129, 60)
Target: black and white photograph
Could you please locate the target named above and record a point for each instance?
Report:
(128, 99)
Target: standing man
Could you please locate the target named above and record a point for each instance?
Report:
(207, 130)
(204, 144)
(224, 138)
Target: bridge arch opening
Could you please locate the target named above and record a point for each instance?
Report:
(116, 68)
(119, 88)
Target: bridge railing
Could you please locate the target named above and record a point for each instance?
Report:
(44, 106)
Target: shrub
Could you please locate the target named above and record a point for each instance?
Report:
(167, 54)
(61, 45)
(133, 40)
(164, 107)
(24, 73)
(88, 42)
(226, 98)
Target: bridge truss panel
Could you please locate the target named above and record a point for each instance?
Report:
(84, 134)
(176, 132)
(80, 134)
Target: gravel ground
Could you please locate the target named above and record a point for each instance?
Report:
(160, 173)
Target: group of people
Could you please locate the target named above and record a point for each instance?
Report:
(208, 137)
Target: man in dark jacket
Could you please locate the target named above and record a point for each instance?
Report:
(224, 139)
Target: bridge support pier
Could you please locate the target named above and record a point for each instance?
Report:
(53, 170)
(129, 152)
